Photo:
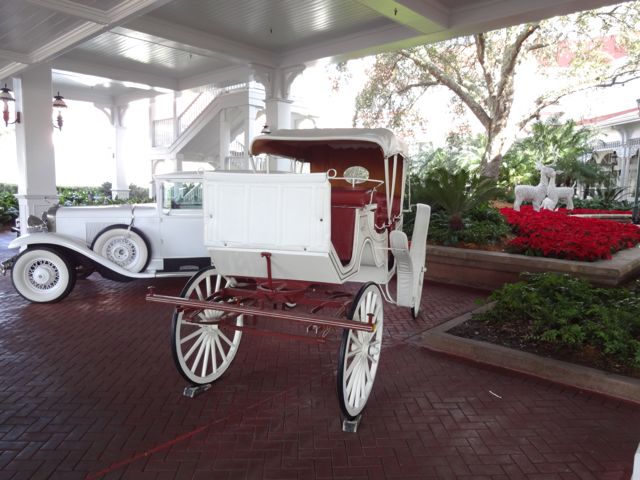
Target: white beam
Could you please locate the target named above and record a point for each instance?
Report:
(355, 45)
(74, 9)
(11, 69)
(129, 8)
(115, 73)
(15, 56)
(82, 94)
(221, 47)
(225, 76)
(412, 14)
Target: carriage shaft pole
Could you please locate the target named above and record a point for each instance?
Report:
(259, 312)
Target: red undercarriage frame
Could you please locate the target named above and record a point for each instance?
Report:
(273, 299)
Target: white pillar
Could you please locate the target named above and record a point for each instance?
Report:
(277, 84)
(34, 143)
(224, 139)
(120, 188)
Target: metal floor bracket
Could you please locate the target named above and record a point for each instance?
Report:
(193, 391)
(351, 426)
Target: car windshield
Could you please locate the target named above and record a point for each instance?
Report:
(182, 195)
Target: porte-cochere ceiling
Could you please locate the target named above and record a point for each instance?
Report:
(179, 44)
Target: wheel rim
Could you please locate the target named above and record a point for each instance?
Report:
(204, 352)
(360, 354)
(43, 274)
(122, 251)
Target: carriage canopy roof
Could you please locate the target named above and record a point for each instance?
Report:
(297, 143)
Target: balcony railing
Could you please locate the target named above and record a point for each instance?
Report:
(165, 131)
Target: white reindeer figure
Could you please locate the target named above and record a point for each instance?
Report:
(531, 193)
(555, 194)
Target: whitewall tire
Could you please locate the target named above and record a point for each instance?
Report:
(43, 275)
(123, 246)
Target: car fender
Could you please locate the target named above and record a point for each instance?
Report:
(57, 239)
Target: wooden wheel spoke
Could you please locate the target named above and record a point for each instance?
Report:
(205, 357)
(199, 292)
(195, 363)
(221, 350)
(192, 334)
(225, 338)
(195, 345)
(214, 358)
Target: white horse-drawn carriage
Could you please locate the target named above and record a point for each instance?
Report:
(281, 242)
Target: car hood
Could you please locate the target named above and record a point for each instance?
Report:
(106, 211)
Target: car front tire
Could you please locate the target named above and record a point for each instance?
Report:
(43, 275)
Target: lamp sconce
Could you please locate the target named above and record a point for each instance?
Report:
(6, 97)
(58, 102)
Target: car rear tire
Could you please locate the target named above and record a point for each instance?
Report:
(126, 247)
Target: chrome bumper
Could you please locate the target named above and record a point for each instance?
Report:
(7, 264)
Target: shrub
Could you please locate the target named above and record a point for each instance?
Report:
(565, 312)
(8, 207)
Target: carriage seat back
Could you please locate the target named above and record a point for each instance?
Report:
(344, 202)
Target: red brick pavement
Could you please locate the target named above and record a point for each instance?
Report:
(88, 390)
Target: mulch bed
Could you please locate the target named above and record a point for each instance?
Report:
(517, 336)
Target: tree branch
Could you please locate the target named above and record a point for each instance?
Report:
(510, 56)
(481, 56)
(447, 81)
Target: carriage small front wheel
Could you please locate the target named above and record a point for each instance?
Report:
(203, 349)
(360, 352)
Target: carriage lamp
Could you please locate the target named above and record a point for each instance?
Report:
(635, 218)
(266, 130)
(58, 102)
(6, 97)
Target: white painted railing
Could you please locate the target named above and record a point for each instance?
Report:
(166, 131)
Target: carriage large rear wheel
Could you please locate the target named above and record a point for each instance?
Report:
(203, 350)
(360, 352)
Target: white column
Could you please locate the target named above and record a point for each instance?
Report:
(120, 187)
(224, 139)
(34, 143)
(277, 84)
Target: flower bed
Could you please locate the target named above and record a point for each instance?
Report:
(557, 235)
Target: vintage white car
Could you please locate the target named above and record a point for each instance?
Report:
(122, 242)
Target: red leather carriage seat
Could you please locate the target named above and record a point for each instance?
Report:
(344, 202)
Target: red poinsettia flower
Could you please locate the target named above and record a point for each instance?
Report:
(558, 235)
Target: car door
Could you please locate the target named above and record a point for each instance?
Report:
(181, 225)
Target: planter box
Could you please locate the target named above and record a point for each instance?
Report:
(490, 270)
(439, 340)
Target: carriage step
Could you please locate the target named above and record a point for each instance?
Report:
(193, 391)
(351, 426)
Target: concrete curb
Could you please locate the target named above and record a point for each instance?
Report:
(490, 270)
(438, 340)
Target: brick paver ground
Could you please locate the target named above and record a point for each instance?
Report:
(88, 389)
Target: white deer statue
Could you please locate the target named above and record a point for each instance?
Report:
(556, 194)
(533, 193)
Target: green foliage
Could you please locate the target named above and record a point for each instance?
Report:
(457, 192)
(567, 312)
(483, 225)
(553, 143)
(138, 194)
(99, 195)
(459, 202)
(605, 199)
(8, 206)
